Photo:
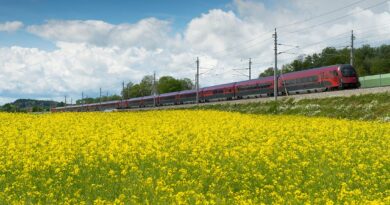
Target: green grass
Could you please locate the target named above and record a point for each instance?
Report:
(359, 107)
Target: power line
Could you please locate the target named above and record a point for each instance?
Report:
(252, 45)
(334, 38)
(335, 19)
(246, 42)
(372, 29)
(244, 48)
(328, 39)
(321, 15)
(276, 66)
(374, 36)
(373, 41)
(197, 80)
(286, 51)
(338, 18)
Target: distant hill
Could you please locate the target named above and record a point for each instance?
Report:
(30, 105)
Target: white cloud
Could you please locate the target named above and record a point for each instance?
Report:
(212, 32)
(76, 67)
(11, 26)
(152, 31)
(92, 54)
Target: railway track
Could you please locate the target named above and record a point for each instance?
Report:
(338, 93)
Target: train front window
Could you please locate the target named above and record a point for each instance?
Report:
(348, 71)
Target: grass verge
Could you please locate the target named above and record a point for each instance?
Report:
(359, 107)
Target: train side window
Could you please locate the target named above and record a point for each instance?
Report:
(218, 91)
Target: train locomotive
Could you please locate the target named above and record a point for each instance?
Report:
(328, 78)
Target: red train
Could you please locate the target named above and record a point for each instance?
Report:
(313, 80)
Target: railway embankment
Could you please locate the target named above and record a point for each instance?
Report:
(366, 106)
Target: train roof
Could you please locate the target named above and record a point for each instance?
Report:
(211, 87)
(313, 70)
(219, 86)
(268, 78)
(148, 97)
(86, 105)
(168, 94)
(132, 99)
(187, 91)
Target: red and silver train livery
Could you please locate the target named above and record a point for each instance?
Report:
(326, 78)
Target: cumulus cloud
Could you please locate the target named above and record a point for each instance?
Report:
(214, 31)
(77, 67)
(151, 30)
(90, 54)
(11, 26)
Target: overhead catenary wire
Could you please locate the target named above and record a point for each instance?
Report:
(239, 45)
(344, 35)
(264, 40)
(246, 45)
(337, 18)
(321, 15)
(373, 41)
(243, 43)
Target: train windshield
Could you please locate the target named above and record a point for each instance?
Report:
(348, 71)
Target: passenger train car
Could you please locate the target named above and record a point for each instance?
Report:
(313, 80)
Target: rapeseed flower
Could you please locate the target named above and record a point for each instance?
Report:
(191, 157)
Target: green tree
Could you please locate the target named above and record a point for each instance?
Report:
(186, 84)
(362, 59)
(268, 72)
(146, 85)
(164, 85)
(135, 91)
(367, 60)
(126, 92)
(37, 109)
(9, 108)
(168, 84)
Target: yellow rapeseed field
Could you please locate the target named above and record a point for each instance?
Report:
(191, 157)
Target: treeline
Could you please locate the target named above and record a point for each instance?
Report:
(367, 60)
(89, 100)
(165, 84)
(29, 105)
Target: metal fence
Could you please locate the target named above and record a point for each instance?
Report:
(375, 80)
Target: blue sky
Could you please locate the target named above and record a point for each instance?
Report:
(178, 12)
(52, 48)
(113, 11)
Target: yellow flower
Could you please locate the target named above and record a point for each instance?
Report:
(191, 157)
